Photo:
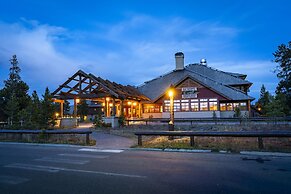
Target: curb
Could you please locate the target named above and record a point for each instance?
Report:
(43, 144)
(256, 153)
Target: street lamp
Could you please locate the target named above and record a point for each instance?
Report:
(171, 123)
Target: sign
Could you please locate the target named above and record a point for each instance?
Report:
(189, 92)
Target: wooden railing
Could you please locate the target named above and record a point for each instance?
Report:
(63, 131)
(256, 120)
(192, 134)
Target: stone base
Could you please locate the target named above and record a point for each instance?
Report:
(69, 122)
(112, 120)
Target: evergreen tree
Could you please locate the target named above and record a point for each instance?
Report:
(83, 109)
(277, 106)
(283, 58)
(11, 110)
(47, 110)
(66, 107)
(264, 100)
(15, 87)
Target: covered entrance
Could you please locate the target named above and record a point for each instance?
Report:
(102, 96)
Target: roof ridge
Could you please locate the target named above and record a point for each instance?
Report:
(163, 75)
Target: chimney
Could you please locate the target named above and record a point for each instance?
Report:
(179, 56)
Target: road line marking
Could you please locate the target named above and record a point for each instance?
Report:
(57, 169)
(33, 167)
(12, 180)
(61, 160)
(85, 156)
(99, 150)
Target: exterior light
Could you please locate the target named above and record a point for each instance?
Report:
(77, 100)
(134, 104)
(171, 93)
(57, 114)
(110, 104)
(129, 103)
(107, 99)
(103, 104)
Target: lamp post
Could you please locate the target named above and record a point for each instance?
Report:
(171, 123)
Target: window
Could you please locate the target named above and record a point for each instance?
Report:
(222, 107)
(167, 105)
(177, 105)
(243, 106)
(184, 105)
(203, 106)
(212, 106)
(229, 106)
(151, 108)
(194, 106)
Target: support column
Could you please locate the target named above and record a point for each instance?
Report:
(139, 109)
(62, 109)
(75, 108)
(121, 108)
(113, 107)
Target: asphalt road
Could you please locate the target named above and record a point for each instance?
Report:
(46, 169)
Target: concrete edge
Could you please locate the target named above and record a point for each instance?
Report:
(256, 153)
(44, 144)
(171, 150)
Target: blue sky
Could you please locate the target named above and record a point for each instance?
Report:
(132, 41)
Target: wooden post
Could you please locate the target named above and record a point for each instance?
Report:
(192, 143)
(260, 143)
(113, 107)
(139, 109)
(62, 109)
(75, 108)
(87, 139)
(139, 140)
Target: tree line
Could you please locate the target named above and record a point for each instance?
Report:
(280, 103)
(22, 110)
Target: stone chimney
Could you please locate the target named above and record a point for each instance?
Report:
(179, 56)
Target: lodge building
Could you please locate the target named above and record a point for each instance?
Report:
(199, 91)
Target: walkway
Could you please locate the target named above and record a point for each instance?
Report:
(108, 141)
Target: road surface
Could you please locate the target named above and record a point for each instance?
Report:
(62, 169)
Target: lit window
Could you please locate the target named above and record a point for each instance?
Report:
(203, 106)
(229, 106)
(212, 106)
(194, 106)
(184, 105)
(177, 106)
(222, 107)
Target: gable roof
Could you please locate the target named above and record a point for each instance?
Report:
(213, 79)
(88, 86)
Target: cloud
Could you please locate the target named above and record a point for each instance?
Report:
(134, 50)
(258, 72)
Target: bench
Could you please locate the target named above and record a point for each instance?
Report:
(63, 131)
(192, 134)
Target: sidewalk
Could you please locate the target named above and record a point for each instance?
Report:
(108, 141)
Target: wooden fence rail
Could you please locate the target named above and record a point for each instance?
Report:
(192, 134)
(271, 120)
(63, 131)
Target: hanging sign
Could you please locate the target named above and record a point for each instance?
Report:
(189, 92)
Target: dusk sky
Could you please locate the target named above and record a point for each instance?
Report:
(132, 41)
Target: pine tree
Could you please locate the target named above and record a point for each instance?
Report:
(15, 87)
(283, 58)
(47, 110)
(11, 110)
(264, 100)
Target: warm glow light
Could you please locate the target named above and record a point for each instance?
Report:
(129, 103)
(134, 104)
(107, 99)
(57, 114)
(259, 109)
(110, 104)
(103, 104)
(171, 93)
